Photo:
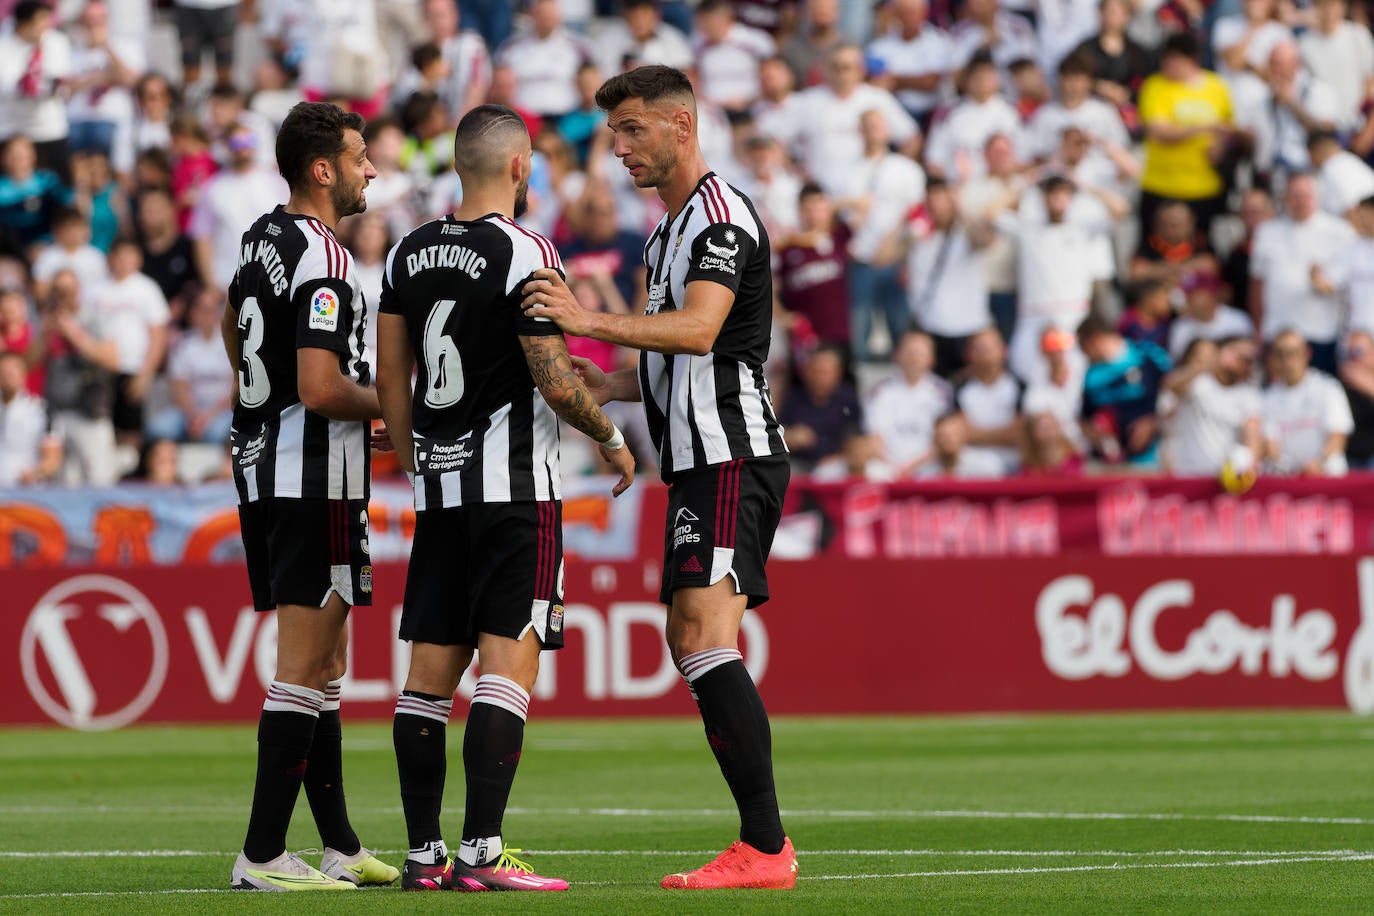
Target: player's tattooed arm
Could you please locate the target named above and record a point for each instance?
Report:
(563, 389)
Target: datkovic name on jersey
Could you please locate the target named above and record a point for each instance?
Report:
(455, 257)
(266, 253)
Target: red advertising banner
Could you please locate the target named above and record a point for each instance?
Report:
(102, 649)
(1110, 517)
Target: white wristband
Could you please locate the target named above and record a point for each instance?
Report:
(616, 441)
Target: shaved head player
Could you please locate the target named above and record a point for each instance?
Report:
(704, 338)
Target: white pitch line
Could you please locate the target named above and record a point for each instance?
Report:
(805, 853)
(932, 814)
(974, 872)
(958, 873)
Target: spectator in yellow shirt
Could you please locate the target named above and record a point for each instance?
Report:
(1186, 111)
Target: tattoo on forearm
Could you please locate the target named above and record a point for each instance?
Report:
(553, 373)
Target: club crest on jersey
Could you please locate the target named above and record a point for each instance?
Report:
(324, 310)
(365, 579)
(556, 618)
(720, 252)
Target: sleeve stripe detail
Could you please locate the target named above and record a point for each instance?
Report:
(545, 246)
(336, 261)
(713, 185)
(709, 204)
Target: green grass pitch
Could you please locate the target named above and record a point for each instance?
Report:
(1254, 812)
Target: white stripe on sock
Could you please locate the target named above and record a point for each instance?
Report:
(698, 663)
(293, 698)
(437, 710)
(502, 692)
(332, 692)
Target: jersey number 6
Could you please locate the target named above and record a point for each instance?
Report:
(443, 363)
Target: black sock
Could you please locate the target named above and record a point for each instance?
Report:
(324, 786)
(418, 732)
(491, 753)
(737, 730)
(284, 740)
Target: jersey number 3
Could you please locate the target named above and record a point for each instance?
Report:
(443, 363)
(254, 385)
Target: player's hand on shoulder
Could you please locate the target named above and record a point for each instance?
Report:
(624, 464)
(547, 296)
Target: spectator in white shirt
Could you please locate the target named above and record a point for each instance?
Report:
(772, 185)
(34, 58)
(1218, 409)
(1306, 415)
(545, 62)
(830, 137)
(1009, 36)
(955, 150)
(808, 48)
(130, 312)
(200, 382)
(1296, 104)
(901, 410)
(1242, 42)
(990, 398)
(71, 250)
(642, 37)
(728, 54)
(1075, 107)
(1343, 179)
(1348, 271)
(945, 279)
(1282, 292)
(1059, 261)
(954, 457)
(228, 204)
(1204, 316)
(104, 70)
(879, 190)
(915, 58)
(27, 451)
(1058, 388)
(1340, 54)
(1003, 179)
(469, 64)
(778, 111)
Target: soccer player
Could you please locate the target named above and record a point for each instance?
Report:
(294, 334)
(479, 434)
(704, 338)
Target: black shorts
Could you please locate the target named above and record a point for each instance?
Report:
(721, 521)
(486, 568)
(201, 28)
(300, 550)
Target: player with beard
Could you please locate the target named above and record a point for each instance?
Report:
(703, 340)
(293, 330)
(479, 436)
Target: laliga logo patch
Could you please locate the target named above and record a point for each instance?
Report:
(324, 311)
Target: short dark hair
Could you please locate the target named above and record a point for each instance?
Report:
(1183, 44)
(424, 55)
(484, 139)
(25, 10)
(1094, 326)
(63, 216)
(226, 90)
(651, 83)
(810, 189)
(417, 109)
(1317, 137)
(1367, 202)
(1076, 64)
(312, 130)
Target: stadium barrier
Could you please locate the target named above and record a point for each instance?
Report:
(863, 627)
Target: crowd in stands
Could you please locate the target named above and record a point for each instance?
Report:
(1039, 237)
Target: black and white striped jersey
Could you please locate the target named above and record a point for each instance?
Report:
(295, 287)
(704, 410)
(483, 432)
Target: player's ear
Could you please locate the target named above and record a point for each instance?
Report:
(322, 170)
(682, 124)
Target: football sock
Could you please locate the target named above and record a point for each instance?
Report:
(491, 752)
(324, 778)
(418, 732)
(737, 730)
(286, 730)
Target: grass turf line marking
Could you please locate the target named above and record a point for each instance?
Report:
(974, 872)
(805, 853)
(958, 873)
(722, 812)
